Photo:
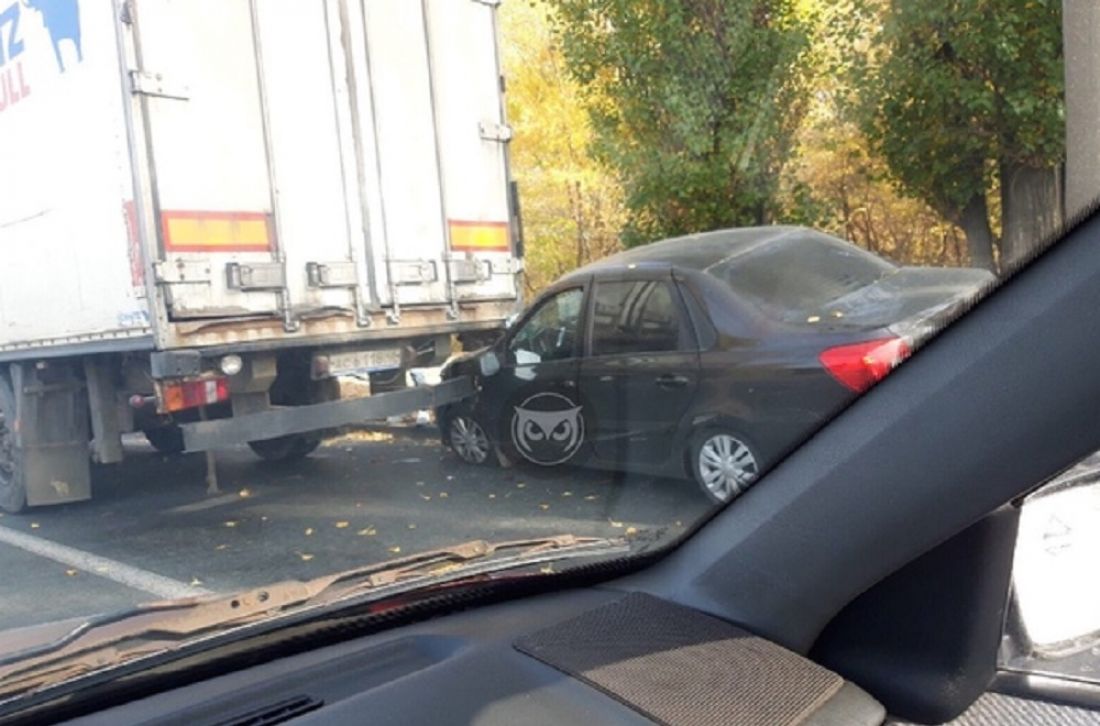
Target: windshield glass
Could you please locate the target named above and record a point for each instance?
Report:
(294, 289)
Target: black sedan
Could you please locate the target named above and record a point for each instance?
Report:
(706, 356)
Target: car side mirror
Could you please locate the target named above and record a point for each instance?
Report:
(489, 364)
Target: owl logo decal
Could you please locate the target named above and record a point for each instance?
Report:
(548, 429)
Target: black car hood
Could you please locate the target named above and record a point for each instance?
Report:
(911, 296)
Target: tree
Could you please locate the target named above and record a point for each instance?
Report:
(962, 98)
(836, 184)
(572, 207)
(835, 180)
(693, 104)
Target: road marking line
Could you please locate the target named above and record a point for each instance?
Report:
(204, 504)
(134, 577)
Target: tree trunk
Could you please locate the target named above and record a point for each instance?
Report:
(1031, 204)
(1081, 26)
(974, 220)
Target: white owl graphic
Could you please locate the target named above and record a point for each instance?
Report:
(548, 428)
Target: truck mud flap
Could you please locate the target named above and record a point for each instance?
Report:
(206, 435)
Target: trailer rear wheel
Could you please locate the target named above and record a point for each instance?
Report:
(166, 439)
(13, 482)
(286, 448)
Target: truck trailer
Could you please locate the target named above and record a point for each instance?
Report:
(210, 209)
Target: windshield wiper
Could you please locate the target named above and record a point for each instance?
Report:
(111, 640)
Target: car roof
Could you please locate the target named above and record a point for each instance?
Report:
(692, 252)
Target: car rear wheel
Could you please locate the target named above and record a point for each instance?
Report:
(724, 464)
(468, 439)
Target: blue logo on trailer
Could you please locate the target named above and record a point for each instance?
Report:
(62, 21)
(60, 18)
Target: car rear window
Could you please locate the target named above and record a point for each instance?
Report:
(795, 276)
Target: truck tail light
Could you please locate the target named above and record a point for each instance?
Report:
(181, 395)
(860, 365)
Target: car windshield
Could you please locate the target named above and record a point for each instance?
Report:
(296, 289)
(799, 274)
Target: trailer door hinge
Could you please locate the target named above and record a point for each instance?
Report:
(492, 131)
(155, 84)
(331, 274)
(255, 276)
(182, 272)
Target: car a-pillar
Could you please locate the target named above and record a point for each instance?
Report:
(44, 434)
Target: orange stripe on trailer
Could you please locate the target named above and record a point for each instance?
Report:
(186, 231)
(479, 236)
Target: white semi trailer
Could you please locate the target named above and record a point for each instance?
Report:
(209, 208)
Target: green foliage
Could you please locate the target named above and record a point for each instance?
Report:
(693, 103)
(949, 90)
(572, 206)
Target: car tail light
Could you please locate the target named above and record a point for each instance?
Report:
(860, 365)
(181, 395)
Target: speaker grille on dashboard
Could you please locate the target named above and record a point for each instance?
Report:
(682, 667)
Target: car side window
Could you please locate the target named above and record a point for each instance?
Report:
(640, 316)
(550, 333)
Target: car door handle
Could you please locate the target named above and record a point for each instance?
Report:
(672, 381)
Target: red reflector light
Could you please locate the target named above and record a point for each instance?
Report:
(860, 365)
(180, 395)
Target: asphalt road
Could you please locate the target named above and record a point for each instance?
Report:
(152, 531)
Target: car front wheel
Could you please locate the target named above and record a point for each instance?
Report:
(467, 437)
(724, 464)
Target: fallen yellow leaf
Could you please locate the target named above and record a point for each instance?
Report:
(368, 532)
(395, 549)
(443, 495)
(230, 523)
(615, 524)
(244, 493)
(544, 507)
(305, 557)
(492, 496)
(341, 525)
(34, 525)
(426, 497)
(631, 531)
(567, 494)
(520, 485)
(221, 547)
(547, 570)
(70, 573)
(309, 531)
(412, 526)
(195, 582)
(591, 498)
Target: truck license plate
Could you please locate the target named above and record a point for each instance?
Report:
(338, 364)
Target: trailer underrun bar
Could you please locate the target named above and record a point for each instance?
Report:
(217, 434)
